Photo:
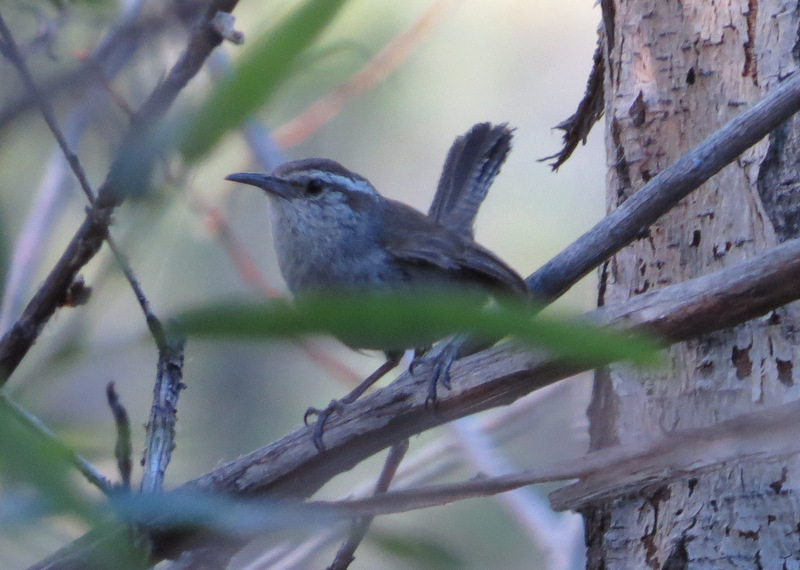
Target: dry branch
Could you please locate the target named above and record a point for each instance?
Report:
(665, 190)
(93, 231)
(291, 467)
(500, 375)
(616, 471)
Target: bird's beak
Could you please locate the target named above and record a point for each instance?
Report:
(272, 184)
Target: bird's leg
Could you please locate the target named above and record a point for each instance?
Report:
(441, 358)
(392, 360)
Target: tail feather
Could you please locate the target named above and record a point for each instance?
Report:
(472, 164)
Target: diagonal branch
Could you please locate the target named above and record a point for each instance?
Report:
(11, 50)
(500, 375)
(8, 406)
(611, 472)
(665, 190)
(346, 554)
(122, 449)
(494, 377)
(88, 239)
(74, 162)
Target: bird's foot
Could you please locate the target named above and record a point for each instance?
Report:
(339, 405)
(322, 417)
(440, 361)
(441, 376)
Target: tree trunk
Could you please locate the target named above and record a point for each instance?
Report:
(676, 72)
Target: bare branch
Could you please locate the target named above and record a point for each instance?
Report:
(218, 226)
(153, 323)
(108, 58)
(628, 469)
(123, 448)
(494, 377)
(550, 532)
(346, 554)
(659, 195)
(11, 51)
(89, 237)
(112, 52)
(500, 375)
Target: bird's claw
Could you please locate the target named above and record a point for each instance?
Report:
(441, 375)
(319, 424)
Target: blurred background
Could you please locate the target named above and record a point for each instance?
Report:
(524, 62)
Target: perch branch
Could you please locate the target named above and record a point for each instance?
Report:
(500, 375)
(292, 467)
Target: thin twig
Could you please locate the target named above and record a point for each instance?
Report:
(89, 237)
(153, 323)
(86, 469)
(346, 554)
(764, 434)
(123, 447)
(500, 375)
(110, 55)
(531, 512)
(11, 51)
(437, 459)
(161, 427)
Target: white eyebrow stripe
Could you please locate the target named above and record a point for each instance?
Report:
(355, 184)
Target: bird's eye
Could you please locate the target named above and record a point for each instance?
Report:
(314, 187)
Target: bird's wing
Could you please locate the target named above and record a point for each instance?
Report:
(435, 245)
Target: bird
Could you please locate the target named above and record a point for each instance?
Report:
(334, 233)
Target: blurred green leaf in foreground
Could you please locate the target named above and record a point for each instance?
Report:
(383, 322)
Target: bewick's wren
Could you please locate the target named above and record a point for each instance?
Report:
(334, 232)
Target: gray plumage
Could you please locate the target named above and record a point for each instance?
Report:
(333, 231)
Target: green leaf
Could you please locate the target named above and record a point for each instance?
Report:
(385, 323)
(37, 478)
(28, 458)
(196, 509)
(259, 73)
